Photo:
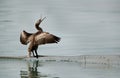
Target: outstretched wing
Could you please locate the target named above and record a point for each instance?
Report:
(46, 38)
(24, 37)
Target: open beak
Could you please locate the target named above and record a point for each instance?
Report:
(43, 19)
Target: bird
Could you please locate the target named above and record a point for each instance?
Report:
(38, 38)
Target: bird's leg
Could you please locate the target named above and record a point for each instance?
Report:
(33, 54)
(29, 54)
(36, 53)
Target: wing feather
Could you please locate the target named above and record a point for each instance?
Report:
(24, 37)
(46, 38)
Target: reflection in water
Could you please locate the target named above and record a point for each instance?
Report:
(32, 71)
(87, 67)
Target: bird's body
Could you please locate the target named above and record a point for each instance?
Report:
(38, 38)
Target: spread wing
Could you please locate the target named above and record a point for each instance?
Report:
(24, 37)
(46, 38)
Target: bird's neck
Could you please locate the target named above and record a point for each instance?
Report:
(38, 28)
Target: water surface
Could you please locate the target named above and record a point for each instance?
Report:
(14, 68)
(86, 27)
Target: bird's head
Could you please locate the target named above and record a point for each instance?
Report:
(41, 19)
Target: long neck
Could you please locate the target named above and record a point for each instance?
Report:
(37, 25)
(38, 28)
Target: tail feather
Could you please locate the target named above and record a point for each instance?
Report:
(57, 39)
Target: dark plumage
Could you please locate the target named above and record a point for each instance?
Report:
(38, 38)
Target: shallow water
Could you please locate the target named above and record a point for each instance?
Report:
(86, 27)
(12, 68)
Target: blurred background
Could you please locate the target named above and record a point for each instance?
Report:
(86, 27)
